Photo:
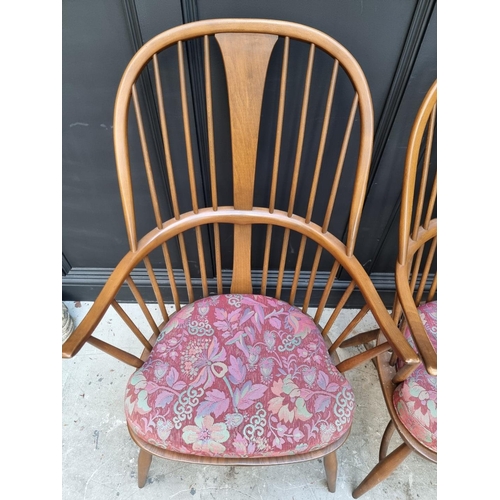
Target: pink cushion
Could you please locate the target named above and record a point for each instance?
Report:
(239, 376)
(415, 399)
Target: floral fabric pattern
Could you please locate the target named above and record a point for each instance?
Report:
(239, 376)
(415, 399)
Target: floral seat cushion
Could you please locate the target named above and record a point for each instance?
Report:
(415, 399)
(239, 376)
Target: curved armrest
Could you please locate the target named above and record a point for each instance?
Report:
(84, 330)
(417, 329)
(105, 298)
(391, 332)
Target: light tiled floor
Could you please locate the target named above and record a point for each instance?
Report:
(100, 460)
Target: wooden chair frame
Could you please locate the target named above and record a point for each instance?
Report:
(245, 73)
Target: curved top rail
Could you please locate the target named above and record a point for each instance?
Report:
(257, 26)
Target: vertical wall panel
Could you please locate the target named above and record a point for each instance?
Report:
(379, 226)
(96, 47)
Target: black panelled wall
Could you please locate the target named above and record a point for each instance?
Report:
(394, 42)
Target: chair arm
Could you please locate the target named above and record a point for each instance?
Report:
(417, 329)
(84, 330)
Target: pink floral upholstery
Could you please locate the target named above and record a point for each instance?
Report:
(415, 399)
(239, 376)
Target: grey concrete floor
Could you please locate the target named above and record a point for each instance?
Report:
(99, 459)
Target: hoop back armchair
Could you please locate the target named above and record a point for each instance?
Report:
(411, 397)
(241, 374)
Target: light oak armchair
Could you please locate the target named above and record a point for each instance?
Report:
(239, 375)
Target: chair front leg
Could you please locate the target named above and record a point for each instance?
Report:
(330, 463)
(143, 467)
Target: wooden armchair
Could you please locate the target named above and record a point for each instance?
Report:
(412, 399)
(238, 375)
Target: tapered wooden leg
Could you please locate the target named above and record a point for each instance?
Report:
(330, 463)
(382, 470)
(143, 467)
(386, 439)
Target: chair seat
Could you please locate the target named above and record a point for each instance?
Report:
(415, 399)
(239, 376)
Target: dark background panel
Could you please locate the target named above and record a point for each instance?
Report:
(96, 48)
(394, 42)
(99, 38)
(377, 247)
